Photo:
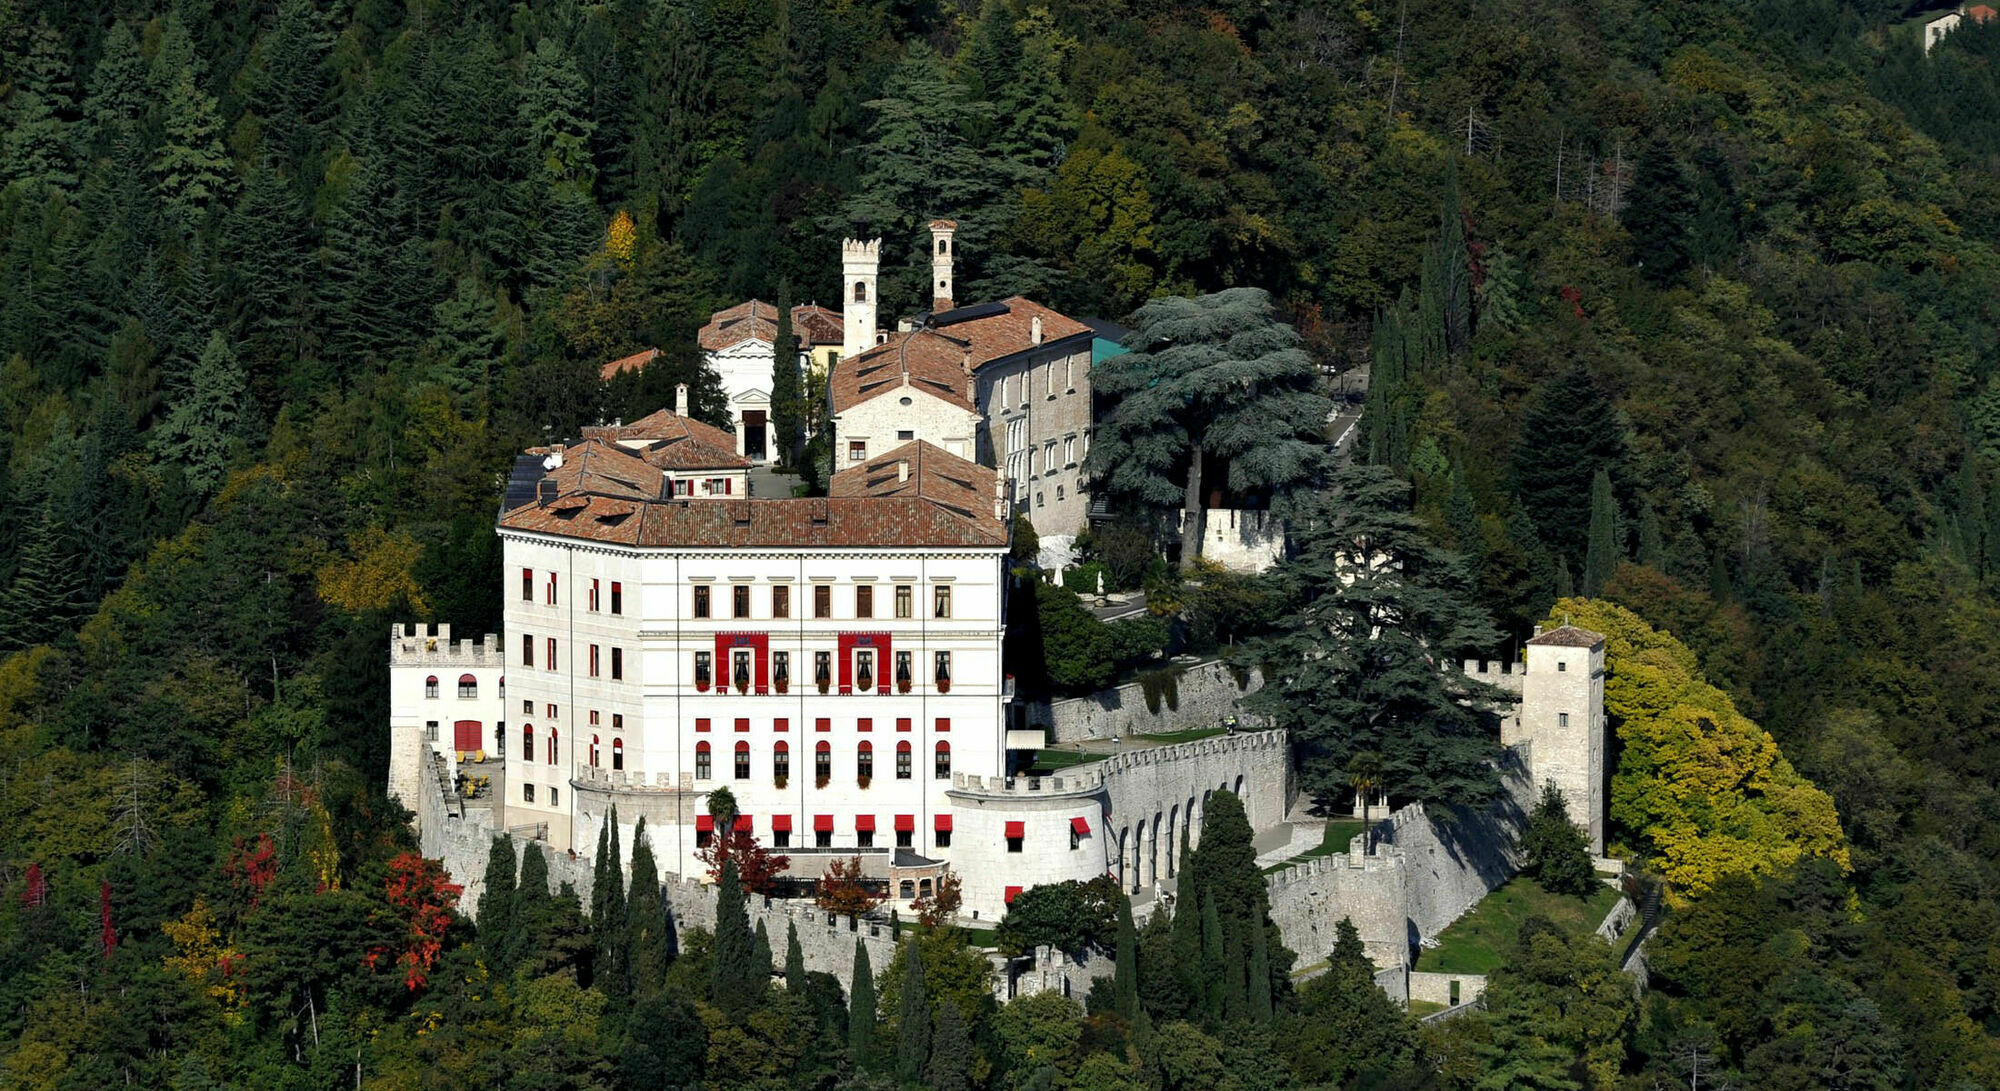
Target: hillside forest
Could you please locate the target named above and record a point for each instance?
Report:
(1679, 320)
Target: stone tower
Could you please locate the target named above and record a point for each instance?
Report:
(942, 252)
(1562, 719)
(859, 263)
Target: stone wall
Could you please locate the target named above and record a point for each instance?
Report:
(1198, 696)
(1436, 987)
(1427, 870)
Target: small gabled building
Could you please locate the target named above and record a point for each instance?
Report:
(737, 345)
(696, 459)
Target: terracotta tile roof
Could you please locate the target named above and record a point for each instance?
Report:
(672, 442)
(756, 319)
(920, 469)
(933, 362)
(603, 494)
(1568, 636)
(948, 225)
(1980, 13)
(634, 362)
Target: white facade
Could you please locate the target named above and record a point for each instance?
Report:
(744, 369)
(445, 697)
(898, 416)
(659, 719)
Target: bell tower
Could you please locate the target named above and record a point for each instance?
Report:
(860, 262)
(942, 251)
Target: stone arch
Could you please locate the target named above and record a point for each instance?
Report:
(1173, 861)
(1136, 876)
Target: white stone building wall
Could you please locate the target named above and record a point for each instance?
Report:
(1043, 396)
(417, 654)
(898, 415)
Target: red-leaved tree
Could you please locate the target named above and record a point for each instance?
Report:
(842, 890)
(423, 897)
(251, 868)
(757, 867)
(38, 887)
(110, 934)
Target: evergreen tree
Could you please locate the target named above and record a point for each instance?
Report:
(293, 100)
(760, 956)
(734, 985)
(1553, 850)
(1214, 969)
(1218, 377)
(1448, 274)
(1368, 658)
(265, 251)
(1569, 431)
(1661, 214)
(795, 961)
(191, 171)
(47, 593)
(35, 141)
(1125, 972)
(115, 100)
(913, 1017)
(647, 950)
(1601, 556)
(666, 1042)
(861, 1009)
(950, 1065)
(1258, 978)
(785, 393)
(206, 424)
(498, 931)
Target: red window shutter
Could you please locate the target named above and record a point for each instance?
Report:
(864, 724)
(1080, 825)
(944, 723)
(864, 823)
(701, 724)
(742, 723)
(823, 823)
(822, 724)
(906, 823)
(1017, 829)
(781, 724)
(902, 723)
(1011, 892)
(704, 822)
(942, 823)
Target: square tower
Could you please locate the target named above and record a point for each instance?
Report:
(1562, 718)
(860, 263)
(942, 252)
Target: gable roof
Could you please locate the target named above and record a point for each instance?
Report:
(635, 362)
(601, 493)
(1567, 636)
(921, 469)
(940, 354)
(754, 319)
(923, 360)
(672, 442)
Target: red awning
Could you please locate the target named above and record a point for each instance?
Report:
(1017, 829)
(746, 824)
(1081, 825)
(943, 823)
(864, 823)
(905, 823)
(704, 822)
(781, 823)
(823, 823)
(1011, 891)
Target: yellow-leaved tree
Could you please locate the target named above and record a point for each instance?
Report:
(1700, 788)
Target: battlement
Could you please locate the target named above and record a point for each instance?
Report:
(1220, 744)
(420, 644)
(1497, 672)
(860, 249)
(1084, 780)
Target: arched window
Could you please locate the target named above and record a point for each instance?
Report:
(781, 762)
(593, 751)
(743, 761)
(527, 742)
(618, 753)
(701, 760)
(906, 890)
(431, 686)
(861, 291)
(553, 736)
(823, 763)
(468, 686)
(943, 768)
(864, 761)
(902, 761)
(923, 888)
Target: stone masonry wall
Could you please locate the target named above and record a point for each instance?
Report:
(1201, 696)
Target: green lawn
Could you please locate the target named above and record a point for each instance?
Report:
(1477, 943)
(1421, 1008)
(1189, 735)
(1339, 832)
(1048, 761)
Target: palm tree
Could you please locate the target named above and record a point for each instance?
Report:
(1364, 775)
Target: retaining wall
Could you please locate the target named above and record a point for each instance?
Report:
(1436, 987)
(1201, 696)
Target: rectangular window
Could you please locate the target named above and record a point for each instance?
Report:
(903, 765)
(941, 602)
(618, 664)
(856, 450)
(527, 585)
(742, 764)
(822, 601)
(941, 672)
(905, 435)
(941, 838)
(903, 679)
(701, 602)
(781, 671)
(552, 589)
(1069, 451)
(781, 602)
(904, 596)
(551, 710)
(1014, 844)
(864, 601)
(550, 645)
(617, 597)
(903, 838)
(1562, 719)
(593, 660)
(527, 650)
(781, 839)
(739, 596)
(527, 707)
(702, 768)
(617, 721)
(822, 670)
(430, 730)
(822, 839)
(527, 793)
(864, 838)
(593, 596)
(1562, 664)
(703, 670)
(552, 795)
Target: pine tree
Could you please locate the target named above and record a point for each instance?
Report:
(795, 961)
(1125, 972)
(647, 951)
(1602, 556)
(293, 100)
(1662, 213)
(115, 100)
(950, 1066)
(265, 251)
(733, 986)
(191, 171)
(1569, 431)
(913, 1015)
(47, 593)
(785, 393)
(35, 141)
(204, 428)
(498, 930)
(861, 1009)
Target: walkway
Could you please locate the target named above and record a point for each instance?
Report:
(766, 483)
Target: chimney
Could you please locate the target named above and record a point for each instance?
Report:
(859, 263)
(1035, 330)
(902, 470)
(999, 498)
(680, 399)
(943, 249)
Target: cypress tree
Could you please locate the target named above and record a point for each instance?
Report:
(1234, 967)
(1125, 972)
(1214, 986)
(1569, 431)
(1601, 557)
(785, 394)
(646, 947)
(497, 927)
(950, 1065)
(795, 961)
(1259, 977)
(1652, 549)
(534, 906)
(760, 958)
(861, 1008)
(733, 975)
(913, 1016)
